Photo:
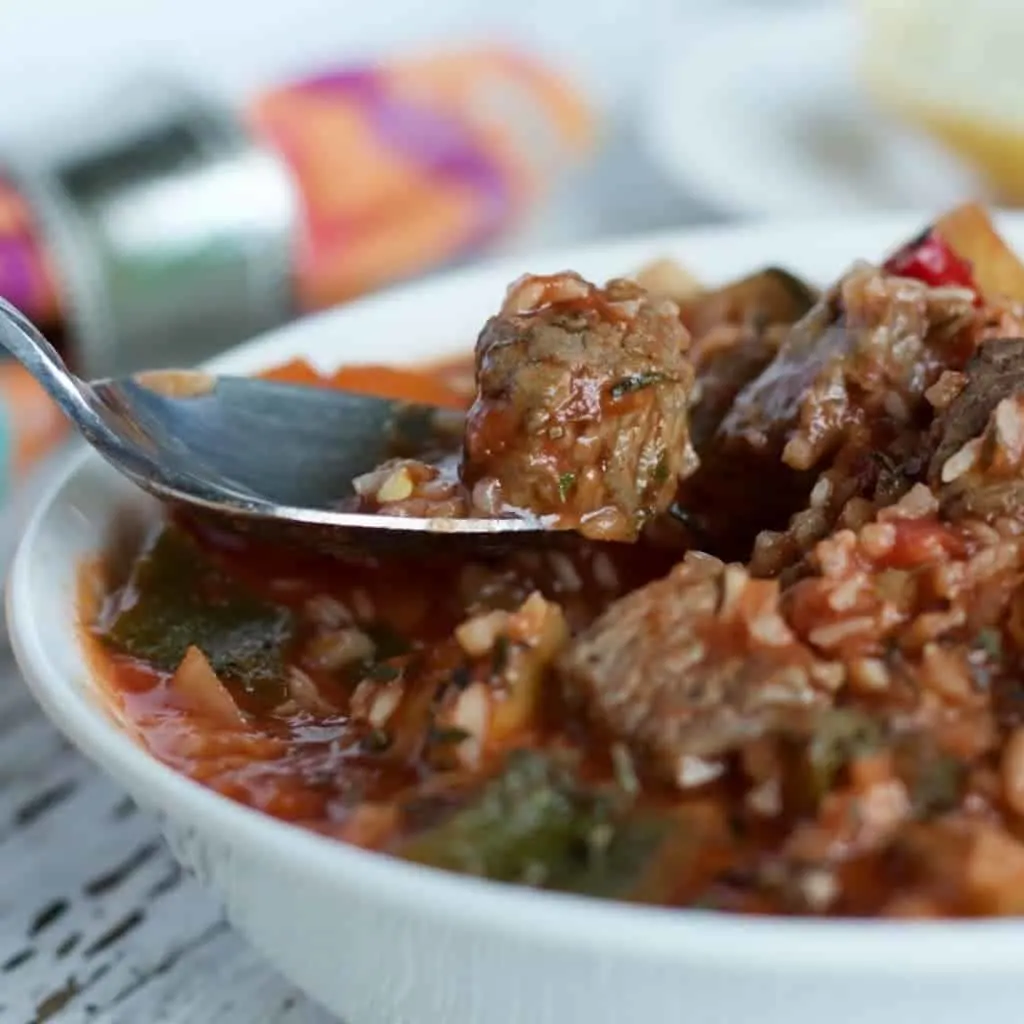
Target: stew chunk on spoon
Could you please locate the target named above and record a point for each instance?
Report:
(581, 408)
(580, 416)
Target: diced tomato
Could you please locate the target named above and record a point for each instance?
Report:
(929, 258)
(920, 541)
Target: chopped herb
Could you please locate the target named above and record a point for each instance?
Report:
(387, 642)
(499, 656)
(376, 741)
(936, 785)
(565, 485)
(934, 779)
(684, 517)
(661, 469)
(635, 382)
(990, 641)
(382, 673)
(842, 735)
(625, 769)
(525, 817)
(447, 734)
(461, 677)
(619, 859)
(885, 462)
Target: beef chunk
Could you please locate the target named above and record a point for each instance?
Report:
(849, 380)
(979, 449)
(996, 372)
(690, 667)
(726, 359)
(581, 405)
(737, 330)
(869, 352)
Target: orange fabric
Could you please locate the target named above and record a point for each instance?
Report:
(35, 423)
(406, 166)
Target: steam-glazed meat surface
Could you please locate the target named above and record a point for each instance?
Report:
(691, 666)
(869, 351)
(978, 465)
(581, 405)
(848, 381)
(726, 359)
(887, 451)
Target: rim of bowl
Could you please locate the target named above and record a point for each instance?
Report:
(983, 946)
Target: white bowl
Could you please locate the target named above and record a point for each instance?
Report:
(380, 941)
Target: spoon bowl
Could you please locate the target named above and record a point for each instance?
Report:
(260, 458)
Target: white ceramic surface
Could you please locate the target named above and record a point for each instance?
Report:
(763, 114)
(382, 942)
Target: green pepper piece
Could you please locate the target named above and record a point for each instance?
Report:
(655, 856)
(620, 865)
(934, 779)
(513, 829)
(176, 597)
(534, 823)
(840, 735)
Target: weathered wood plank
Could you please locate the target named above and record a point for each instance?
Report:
(97, 922)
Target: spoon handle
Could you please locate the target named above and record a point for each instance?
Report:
(75, 398)
(23, 340)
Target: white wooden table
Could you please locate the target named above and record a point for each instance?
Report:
(97, 922)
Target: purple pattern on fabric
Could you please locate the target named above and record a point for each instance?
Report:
(17, 277)
(438, 144)
(361, 82)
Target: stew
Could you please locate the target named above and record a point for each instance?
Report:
(777, 668)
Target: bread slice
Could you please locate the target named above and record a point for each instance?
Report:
(955, 70)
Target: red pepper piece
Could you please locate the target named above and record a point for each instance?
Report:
(930, 259)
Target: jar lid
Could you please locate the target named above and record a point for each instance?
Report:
(171, 229)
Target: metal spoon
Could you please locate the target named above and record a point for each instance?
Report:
(252, 456)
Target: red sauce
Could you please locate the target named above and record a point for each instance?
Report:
(318, 767)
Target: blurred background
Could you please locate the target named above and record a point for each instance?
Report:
(178, 175)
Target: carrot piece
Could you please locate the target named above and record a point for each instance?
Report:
(297, 371)
(426, 386)
(406, 385)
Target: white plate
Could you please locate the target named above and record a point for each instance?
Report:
(762, 114)
(380, 941)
